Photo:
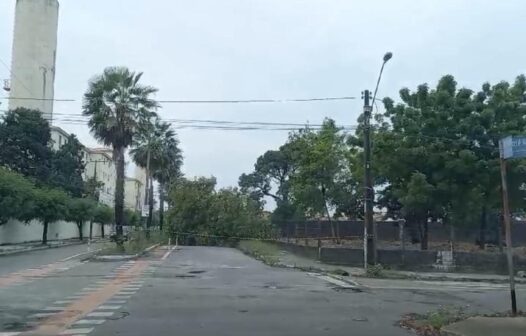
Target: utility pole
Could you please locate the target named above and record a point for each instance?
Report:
(369, 238)
(507, 223)
(370, 256)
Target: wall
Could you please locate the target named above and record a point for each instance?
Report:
(14, 231)
(480, 262)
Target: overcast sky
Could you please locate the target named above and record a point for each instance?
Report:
(263, 49)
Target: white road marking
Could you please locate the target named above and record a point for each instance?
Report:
(9, 333)
(53, 309)
(112, 302)
(167, 254)
(122, 297)
(336, 282)
(108, 307)
(63, 302)
(100, 314)
(90, 322)
(80, 254)
(77, 331)
(41, 315)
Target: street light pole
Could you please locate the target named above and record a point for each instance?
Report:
(507, 223)
(370, 250)
(369, 241)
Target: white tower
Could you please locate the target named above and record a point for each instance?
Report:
(34, 55)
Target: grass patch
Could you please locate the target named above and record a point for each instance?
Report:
(134, 245)
(430, 323)
(266, 252)
(375, 271)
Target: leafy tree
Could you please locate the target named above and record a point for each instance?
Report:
(227, 213)
(49, 205)
(68, 167)
(103, 214)
(116, 103)
(24, 139)
(16, 196)
(449, 138)
(321, 168)
(271, 177)
(80, 210)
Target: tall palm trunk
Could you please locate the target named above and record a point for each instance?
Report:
(118, 155)
(44, 233)
(150, 209)
(161, 206)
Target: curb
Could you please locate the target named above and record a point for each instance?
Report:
(39, 248)
(443, 278)
(109, 258)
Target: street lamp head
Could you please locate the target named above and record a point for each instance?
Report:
(388, 55)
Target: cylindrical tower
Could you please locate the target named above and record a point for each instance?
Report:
(34, 55)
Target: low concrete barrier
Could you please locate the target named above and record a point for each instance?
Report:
(480, 262)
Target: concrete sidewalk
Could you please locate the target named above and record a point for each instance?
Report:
(288, 259)
(487, 326)
(35, 246)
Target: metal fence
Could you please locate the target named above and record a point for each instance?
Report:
(398, 234)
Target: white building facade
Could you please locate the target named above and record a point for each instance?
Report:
(133, 194)
(100, 165)
(34, 56)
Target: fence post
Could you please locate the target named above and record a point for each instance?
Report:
(401, 225)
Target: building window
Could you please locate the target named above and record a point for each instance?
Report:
(60, 141)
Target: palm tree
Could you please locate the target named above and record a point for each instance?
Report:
(117, 104)
(168, 170)
(157, 150)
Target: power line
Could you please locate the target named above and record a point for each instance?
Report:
(211, 101)
(253, 100)
(45, 99)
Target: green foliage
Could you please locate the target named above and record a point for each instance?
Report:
(375, 271)
(264, 251)
(117, 105)
(80, 209)
(68, 167)
(438, 152)
(49, 205)
(131, 218)
(103, 214)
(197, 208)
(157, 149)
(24, 139)
(16, 196)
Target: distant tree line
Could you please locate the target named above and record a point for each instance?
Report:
(435, 157)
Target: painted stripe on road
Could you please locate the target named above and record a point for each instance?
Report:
(77, 331)
(100, 314)
(108, 307)
(90, 321)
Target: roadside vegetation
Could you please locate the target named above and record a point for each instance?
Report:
(200, 214)
(436, 157)
(264, 251)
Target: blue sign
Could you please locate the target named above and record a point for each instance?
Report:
(513, 147)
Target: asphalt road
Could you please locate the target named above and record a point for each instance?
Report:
(216, 291)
